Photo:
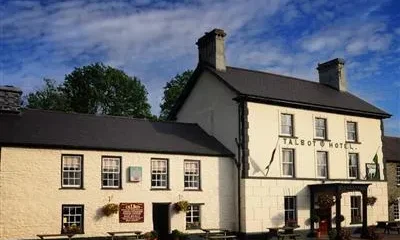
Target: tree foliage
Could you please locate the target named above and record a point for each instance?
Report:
(95, 89)
(172, 91)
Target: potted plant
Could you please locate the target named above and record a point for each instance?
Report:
(177, 235)
(371, 200)
(109, 209)
(152, 235)
(73, 228)
(325, 201)
(181, 206)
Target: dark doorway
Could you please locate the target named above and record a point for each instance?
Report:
(161, 220)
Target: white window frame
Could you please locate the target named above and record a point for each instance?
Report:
(159, 173)
(191, 179)
(396, 209)
(286, 162)
(355, 209)
(350, 133)
(323, 128)
(398, 173)
(72, 216)
(290, 210)
(291, 126)
(324, 165)
(193, 213)
(67, 172)
(356, 165)
(109, 173)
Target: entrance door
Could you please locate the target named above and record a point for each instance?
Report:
(325, 216)
(161, 220)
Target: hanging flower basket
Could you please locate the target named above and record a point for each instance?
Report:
(109, 209)
(181, 206)
(340, 217)
(371, 201)
(325, 201)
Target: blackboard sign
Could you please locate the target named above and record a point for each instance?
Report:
(131, 212)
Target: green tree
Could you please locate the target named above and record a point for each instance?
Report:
(100, 89)
(50, 97)
(172, 91)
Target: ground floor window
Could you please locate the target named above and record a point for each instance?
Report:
(396, 213)
(72, 219)
(193, 217)
(290, 210)
(355, 208)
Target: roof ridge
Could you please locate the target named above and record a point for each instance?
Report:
(109, 116)
(392, 137)
(279, 75)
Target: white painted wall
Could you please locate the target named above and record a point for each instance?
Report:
(31, 200)
(211, 105)
(264, 205)
(264, 130)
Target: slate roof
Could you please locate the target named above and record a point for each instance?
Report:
(285, 90)
(50, 129)
(391, 149)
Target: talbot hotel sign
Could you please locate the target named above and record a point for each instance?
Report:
(131, 212)
(313, 143)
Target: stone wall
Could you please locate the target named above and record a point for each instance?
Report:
(393, 187)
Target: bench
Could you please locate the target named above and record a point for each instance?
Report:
(288, 235)
(394, 228)
(222, 237)
(135, 234)
(43, 236)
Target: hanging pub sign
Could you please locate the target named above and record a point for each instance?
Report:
(135, 174)
(131, 212)
(372, 170)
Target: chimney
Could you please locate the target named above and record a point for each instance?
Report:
(212, 49)
(10, 99)
(332, 73)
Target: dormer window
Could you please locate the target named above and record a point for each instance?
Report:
(287, 124)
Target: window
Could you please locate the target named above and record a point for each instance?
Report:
(159, 173)
(193, 217)
(72, 218)
(322, 164)
(398, 174)
(396, 213)
(192, 174)
(111, 172)
(352, 131)
(320, 128)
(353, 165)
(72, 171)
(355, 208)
(288, 162)
(290, 209)
(287, 124)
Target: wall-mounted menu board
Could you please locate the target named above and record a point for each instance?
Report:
(131, 212)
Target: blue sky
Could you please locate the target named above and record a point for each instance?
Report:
(155, 40)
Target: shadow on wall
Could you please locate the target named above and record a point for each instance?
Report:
(227, 194)
(278, 220)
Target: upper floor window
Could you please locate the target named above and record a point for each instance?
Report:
(353, 165)
(355, 208)
(192, 174)
(352, 132)
(398, 174)
(72, 171)
(322, 164)
(288, 162)
(320, 128)
(193, 217)
(290, 210)
(287, 124)
(72, 218)
(111, 172)
(159, 173)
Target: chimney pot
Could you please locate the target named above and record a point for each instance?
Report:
(10, 99)
(332, 73)
(212, 49)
